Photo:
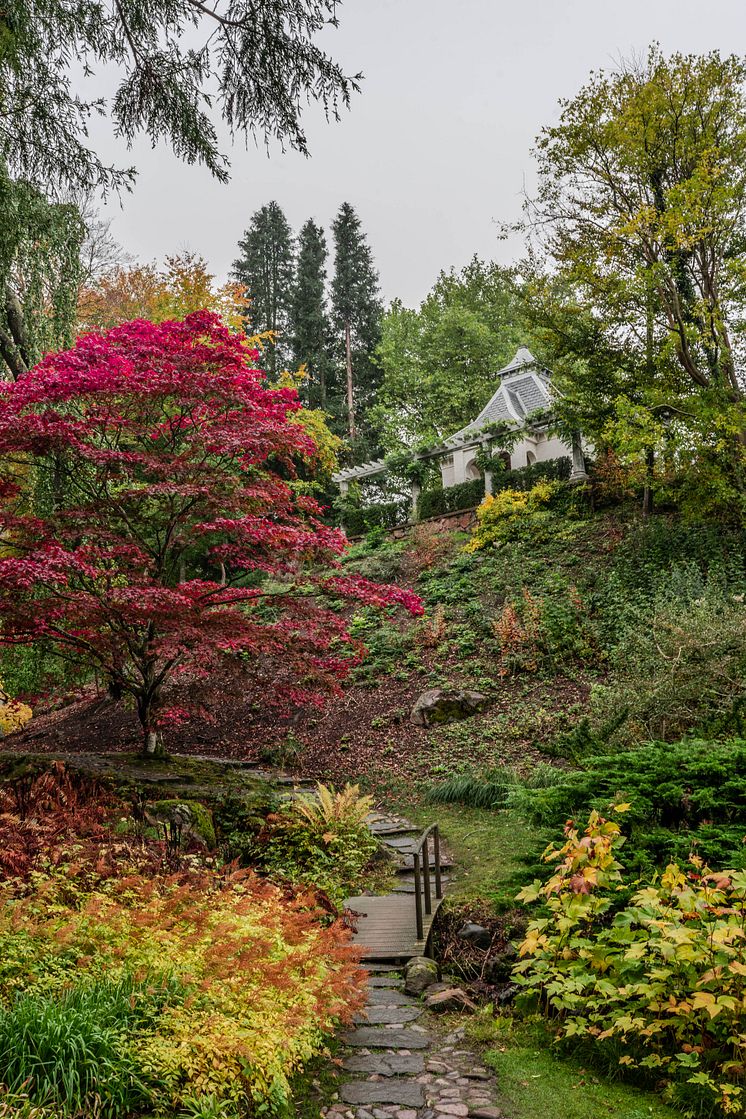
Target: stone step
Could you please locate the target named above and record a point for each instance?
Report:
(385, 1064)
(401, 843)
(408, 863)
(390, 981)
(388, 1015)
(380, 969)
(368, 1037)
(406, 1093)
(389, 996)
(405, 883)
(388, 827)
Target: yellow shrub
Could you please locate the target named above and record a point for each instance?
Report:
(13, 714)
(502, 513)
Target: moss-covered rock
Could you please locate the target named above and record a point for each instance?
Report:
(192, 818)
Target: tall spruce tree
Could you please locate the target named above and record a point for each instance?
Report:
(311, 331)
(356, 313)
(266, 269)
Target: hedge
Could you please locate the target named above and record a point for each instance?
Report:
(467, 495)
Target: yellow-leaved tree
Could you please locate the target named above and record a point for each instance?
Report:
(147, 291)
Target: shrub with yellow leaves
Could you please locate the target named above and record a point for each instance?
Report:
(506, 514)
(660, 985)
(13, 713)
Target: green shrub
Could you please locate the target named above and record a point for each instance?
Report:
(495, 788)
(438, 501)
(658, 988)
(685, 795)
(322, 840)
(678, 665)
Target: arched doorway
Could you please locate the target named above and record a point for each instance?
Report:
(530, 458)
(472, 472)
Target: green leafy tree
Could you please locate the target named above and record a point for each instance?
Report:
(356, 317)
(310, 326)
(40, 245)
(439, 362)
(266, 268)
(259, 56)
(641, 209)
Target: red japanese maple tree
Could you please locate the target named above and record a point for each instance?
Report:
(174, 537)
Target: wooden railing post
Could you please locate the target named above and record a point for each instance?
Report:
(418, 896)
(426, 876)
(436, 853)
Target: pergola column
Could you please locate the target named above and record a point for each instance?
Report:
(416, 490)
(579, 473)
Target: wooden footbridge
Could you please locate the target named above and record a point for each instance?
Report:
(396, 926)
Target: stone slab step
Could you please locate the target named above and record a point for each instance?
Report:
(368, 1037)
(389, 996)
(385, 1064)
(406, 1093)
(405, 883)
(401, 843)
(384, 981)
(388, 1015)
(408, 863)
(381, 969)
(385, 828)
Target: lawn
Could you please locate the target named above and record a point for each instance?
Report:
(535, 1082)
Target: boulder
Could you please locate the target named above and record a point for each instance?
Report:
(477, 935)
(446, 1002)
(441, 705)
(189, 818)
(419, 974)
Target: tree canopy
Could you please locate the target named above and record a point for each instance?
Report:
(181, 65)
(147, 291)
(641, 211)
(439, 362)
(176, 539)
(266, 269)
(356, 316)
(40, 244)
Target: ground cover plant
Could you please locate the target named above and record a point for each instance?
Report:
(658, 987)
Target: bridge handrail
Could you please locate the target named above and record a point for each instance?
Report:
(421, 865)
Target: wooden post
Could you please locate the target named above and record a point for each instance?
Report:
(436, 854)
(426, 877)
(418, 896)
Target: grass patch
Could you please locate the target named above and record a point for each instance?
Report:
(492, 850)
(536, 1082)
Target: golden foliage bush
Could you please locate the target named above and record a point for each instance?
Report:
(659, 985)
(263, 980)
(503, 515)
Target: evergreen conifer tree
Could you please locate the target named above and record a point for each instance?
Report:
(266, 269)
(311, 334)
(356, 312)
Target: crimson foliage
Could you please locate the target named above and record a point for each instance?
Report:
(174, 535)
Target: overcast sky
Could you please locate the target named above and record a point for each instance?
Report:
(436, 149)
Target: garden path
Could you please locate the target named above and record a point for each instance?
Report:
(399, 1060)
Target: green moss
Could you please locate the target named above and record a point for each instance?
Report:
(199, 818)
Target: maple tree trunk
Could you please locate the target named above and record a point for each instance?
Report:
(350, 398)
(152, 744)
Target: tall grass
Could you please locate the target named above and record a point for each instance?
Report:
(495, 788)
(74, 1052)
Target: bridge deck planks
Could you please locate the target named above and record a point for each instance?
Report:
(386, 926)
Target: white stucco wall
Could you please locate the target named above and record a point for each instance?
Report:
(455, 468)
